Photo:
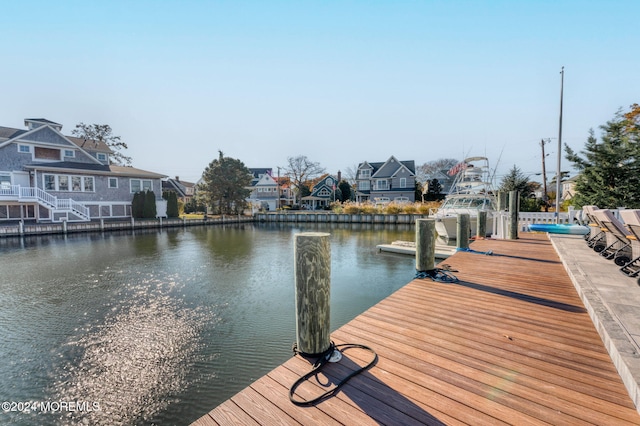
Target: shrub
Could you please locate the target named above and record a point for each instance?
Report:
(149, 209)
(409, 209)
(336, 207)
(368, 208)
(423, 208)
(392, 208)
(351, 208)
(172, 204)
(137, 205)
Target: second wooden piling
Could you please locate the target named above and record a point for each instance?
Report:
(425, 244)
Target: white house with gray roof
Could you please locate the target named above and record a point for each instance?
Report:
(47, 176)
(391, 180)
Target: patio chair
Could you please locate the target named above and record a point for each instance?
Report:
(632, 222)
(618, 245)
(595, 237)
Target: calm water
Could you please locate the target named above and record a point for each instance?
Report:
(160, 327)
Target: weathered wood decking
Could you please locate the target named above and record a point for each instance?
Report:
(511, 343)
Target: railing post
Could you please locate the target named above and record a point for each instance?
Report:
(462, 231)
(425, 244)
(481, 225)
(312, 271)
(513, 215)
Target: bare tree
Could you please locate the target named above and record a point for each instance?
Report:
(426, 171)
(351, 173)
(103, 133)
(300, 169)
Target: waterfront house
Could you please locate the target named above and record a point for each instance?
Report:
(47, 176)
(391, 180)
(322, 193)
(184, 190)
(264, 191)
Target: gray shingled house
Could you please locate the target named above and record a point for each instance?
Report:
(47, 176)
(392, 180)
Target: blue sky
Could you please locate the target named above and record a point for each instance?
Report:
(338, 81)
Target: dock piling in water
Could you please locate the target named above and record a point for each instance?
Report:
(312, 271)
(425, 244)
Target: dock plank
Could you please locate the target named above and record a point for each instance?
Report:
(511, 343)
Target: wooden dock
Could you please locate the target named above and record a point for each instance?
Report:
(511, 343)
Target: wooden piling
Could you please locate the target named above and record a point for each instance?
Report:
(502, 200)
(513, 215)
(312, 272)
(462, 231)
(481, 225)
(425, 244)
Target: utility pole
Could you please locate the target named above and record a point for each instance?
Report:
(559, 174)
(545, 197)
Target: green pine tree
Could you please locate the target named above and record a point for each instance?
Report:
(225, 187)
(149, 207)
(610, 168)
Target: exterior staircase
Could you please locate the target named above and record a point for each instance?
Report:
(61, 209)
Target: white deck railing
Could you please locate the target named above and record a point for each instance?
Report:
(25, 193)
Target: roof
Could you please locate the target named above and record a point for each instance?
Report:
(43, 120)
(133, 172)
(10, 133)
(409, 164)
(90, 144)
(69, 165)
(96, 169)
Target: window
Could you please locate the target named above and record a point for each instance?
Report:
(69, 153)
(63, 183)
(101, 156)
(365, 173)
(88, 184)
(382, 184)
(49, 182)
(364, 186)
(76, 183)
(403, 182)
(138, 185)
(24, 148)
(69, 183)
(113, 182)
(5, 181)
(46, 154)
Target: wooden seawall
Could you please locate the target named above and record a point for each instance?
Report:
(510, 343)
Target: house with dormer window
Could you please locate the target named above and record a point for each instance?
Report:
(46, 176)
(264, 190)
(322, 193)
(391, 180)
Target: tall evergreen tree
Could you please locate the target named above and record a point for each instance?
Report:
(225, 186)
(149, 210)
(515, 180)
(610, 169)
(345, 190)
(137, 205)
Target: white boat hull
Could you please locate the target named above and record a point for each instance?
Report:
(447, 226)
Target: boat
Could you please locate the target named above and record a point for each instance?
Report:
(409, 247)
(559, 228)
(471, 192)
